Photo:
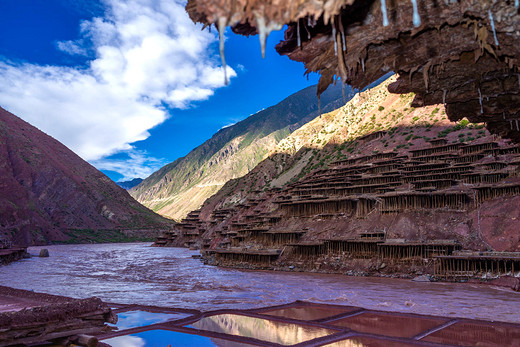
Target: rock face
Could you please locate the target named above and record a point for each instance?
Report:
(48, 193)
(463, 54)
(182, 186)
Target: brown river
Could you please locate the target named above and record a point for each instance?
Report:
(140, 274)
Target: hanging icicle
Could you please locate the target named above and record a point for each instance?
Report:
(480, 101)
(444, 92)
(319, 105)
(493, 27)
(334, 37)
(264, 29)
(416, 17)
(299, 41)
(308, 32)
(363, 64)
(222, 23)
(342, 31)
(262, 34)
(383, 11)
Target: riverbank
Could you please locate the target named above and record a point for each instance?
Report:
(9, 255)
(419, 270)
(27, 318)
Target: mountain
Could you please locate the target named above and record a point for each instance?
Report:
(376, 164)
(49, 194)
(183, 185)
(129, 184)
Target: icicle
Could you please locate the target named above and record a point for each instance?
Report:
(264, 29)
(385, 15)
(262, 33)
(416, 17)
(308, 32)
(493, 27)
(319, 104)
(342, 31)
(363, 64)
(222, 23)
(334, 36)
(480, 100)
(298, 34)
(444, 92)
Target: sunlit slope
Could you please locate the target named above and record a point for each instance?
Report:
(183, 185)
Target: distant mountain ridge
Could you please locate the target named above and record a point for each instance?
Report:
(129, 184)
(49, 194)
(183, 185)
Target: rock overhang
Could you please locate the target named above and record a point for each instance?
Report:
(464, 54)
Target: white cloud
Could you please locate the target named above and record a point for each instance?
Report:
(147, 53)
(138, 164)
(72, 47)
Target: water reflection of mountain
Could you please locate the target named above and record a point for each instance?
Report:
(262, 329)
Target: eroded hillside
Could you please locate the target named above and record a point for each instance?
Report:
(185, 184)
(375, 167)
(50, 194)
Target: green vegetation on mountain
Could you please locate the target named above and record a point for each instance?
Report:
(183, 185)
(372, 122)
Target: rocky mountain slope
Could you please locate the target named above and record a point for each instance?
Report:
(129, 184)
(375, 165)
(232, 152)
(48, 193)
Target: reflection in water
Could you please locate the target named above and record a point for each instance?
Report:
(163, 338)
(474, 334)
(307, 312)
(369, 342)
(389, 325)
(261, 329)
(139, 274)
(134, 319)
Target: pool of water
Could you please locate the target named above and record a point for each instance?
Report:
(155, 338)
(139, 274)
(134, 319)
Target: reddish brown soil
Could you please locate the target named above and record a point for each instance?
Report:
(47, 191)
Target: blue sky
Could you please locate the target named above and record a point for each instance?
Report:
(131, 85)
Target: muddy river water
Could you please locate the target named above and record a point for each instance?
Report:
(140, 274)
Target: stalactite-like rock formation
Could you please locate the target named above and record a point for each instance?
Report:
(464, 54)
